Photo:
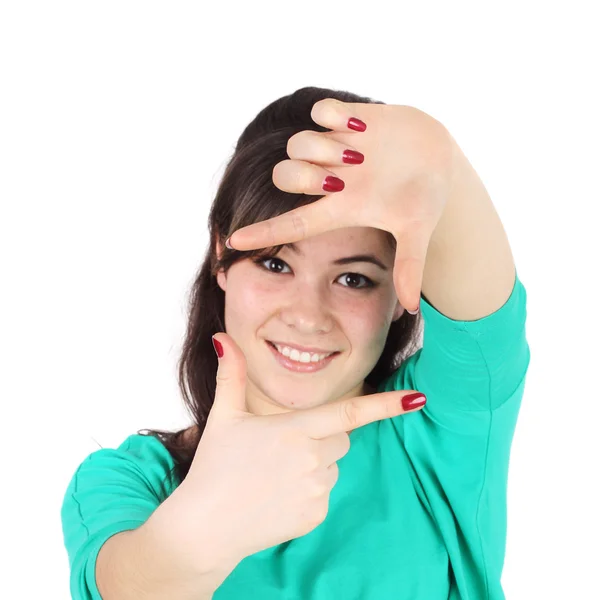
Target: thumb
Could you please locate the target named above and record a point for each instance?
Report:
(231, 375)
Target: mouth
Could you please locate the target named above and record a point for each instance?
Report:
(298, 366)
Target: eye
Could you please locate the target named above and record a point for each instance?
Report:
(261, 262)
(272, 260)
(354, 277)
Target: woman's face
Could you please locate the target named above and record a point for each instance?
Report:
(304, 299)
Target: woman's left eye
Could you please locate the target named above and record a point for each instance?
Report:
(348, 276)
(355, 276)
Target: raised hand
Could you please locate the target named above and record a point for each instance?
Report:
(401, 186)
(266, 479)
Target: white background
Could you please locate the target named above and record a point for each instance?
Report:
(116, 122)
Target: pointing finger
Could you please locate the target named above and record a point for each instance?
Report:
(293, 226)
(344, 415)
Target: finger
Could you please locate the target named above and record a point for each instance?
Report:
(230, 394)
(338, 115)
(301, 177)
(409, 264)
(332, 448)
(293, 226)
(317, 148)
(344, 415)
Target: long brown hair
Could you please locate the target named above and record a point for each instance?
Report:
(247, 195)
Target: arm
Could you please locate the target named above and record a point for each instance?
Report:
(469, 271)
(146, 563)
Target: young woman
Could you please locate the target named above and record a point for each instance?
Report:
(308, 472)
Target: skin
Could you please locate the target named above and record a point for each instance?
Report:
(309, 301)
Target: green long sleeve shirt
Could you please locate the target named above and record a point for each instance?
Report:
(419, 508)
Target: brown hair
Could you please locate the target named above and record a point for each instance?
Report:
(247, 195)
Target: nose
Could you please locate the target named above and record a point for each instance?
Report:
(307, 310)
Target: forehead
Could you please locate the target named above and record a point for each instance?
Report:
(347, 239)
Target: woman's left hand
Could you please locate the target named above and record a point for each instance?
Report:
(401, 187)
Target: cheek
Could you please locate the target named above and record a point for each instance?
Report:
(248, 300)
(367, 319)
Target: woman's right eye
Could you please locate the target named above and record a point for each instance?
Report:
(271, 260)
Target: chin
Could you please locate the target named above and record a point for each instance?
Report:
(300, 402)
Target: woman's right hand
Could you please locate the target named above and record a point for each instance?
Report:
(266, 479)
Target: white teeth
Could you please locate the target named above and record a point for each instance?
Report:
(303, 357)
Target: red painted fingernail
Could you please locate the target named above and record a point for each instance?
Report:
(413, 401)
(356, 124)
(352, 157)
(218, 347)
(333, 184)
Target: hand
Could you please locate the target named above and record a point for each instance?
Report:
(401, 186)
(261, 480)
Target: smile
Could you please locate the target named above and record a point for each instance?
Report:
(301, 362)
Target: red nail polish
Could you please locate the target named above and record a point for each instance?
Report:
(356, 124)
(352, 157)
(218, 347)
(333, 184)
(413, 401)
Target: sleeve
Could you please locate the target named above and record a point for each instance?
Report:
(473, 374)
(111, 491)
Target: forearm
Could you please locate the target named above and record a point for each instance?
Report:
(129, 567)
(469, 272)
(149, 563)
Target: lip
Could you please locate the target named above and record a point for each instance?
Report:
(298, 367)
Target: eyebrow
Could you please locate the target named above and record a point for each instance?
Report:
(369, 258)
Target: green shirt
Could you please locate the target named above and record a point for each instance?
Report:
(419, 508)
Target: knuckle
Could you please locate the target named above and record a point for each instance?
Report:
(319, 508)
(299, 225)
(271, 233)
(318, 489)
(313, 462)
(391, 408)
(334, 473)
(323, 509)
(314, 518)
(350, 413)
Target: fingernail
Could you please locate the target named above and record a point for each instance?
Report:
(218, 347)
(413, 401)
(228, 244)
(411, 312)
(352, 157)
(333, 184)
(356, 124)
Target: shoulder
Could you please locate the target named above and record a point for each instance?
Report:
(112, 490)
(139, 461)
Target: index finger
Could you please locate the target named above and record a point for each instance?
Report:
(293, 226)
(352, 413)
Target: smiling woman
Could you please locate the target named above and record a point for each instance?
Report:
(314, 303)
(248, 195)
(416, 507)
